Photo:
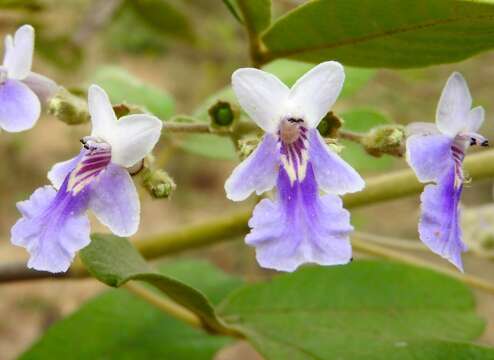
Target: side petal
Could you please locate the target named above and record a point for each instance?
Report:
(53, 228)
(261, 95)
(61, 170)
(115, 202)
(133, 137)
(294, 229)
(454, 106)
(439, 226)
(333, 174)
(256, 173)
(476, 119)
(19, 53)
(19, 106)
(315, 92)
(103, 117)
(42, 86)
(429, 156)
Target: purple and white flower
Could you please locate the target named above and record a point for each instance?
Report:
(54, 223)
(436, 153)
(21, 91)
(300, 225)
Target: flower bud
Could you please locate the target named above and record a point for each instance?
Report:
(247, 146)
(158, 183)
(386, 139)
(329, 125)
(223, 115)
(478, 230)
(69, 108)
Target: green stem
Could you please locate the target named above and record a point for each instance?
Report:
(391, 241)
(255, 49)
(164, 304)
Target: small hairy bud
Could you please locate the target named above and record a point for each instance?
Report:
(69, 108)
(158, 183)
(329, 125)
(223, 115)
(247, 146)
(386, 139)
(478, 230)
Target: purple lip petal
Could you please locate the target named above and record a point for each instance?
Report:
(19, 106)
(300, 226)
(439, 226)
(53, 228)
(256, 173)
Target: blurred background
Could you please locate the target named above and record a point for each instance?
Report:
(174, 63)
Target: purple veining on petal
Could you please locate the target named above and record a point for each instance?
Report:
(293, 148)
(93, 162)
(300, 226)
(439, 226)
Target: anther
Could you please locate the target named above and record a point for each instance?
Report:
(473, 141)
(485, 143)
(293, 120)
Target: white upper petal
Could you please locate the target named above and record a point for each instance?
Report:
(19, 52)
(103, 117)
(133, 138)
(314, 93)
(261, 95)
(454, 106)
(421, 128)
(475, 119)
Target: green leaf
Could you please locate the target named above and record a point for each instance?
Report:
(143, 39)
(164, 17)
(232, 6)
(365, 310)
(114, 261)
(122, 86)
(288, 71)
(256, 14)
(383, 33)
(118, 325)
(363, 120)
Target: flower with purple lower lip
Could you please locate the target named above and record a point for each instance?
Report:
(300, 225)
(436, 153)
(54, 223)
(21, 91)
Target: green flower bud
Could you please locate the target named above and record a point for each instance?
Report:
(247, 146)
(329, 125)
(158, 183)
(386, 139)
(223, 115)
(69, 108)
